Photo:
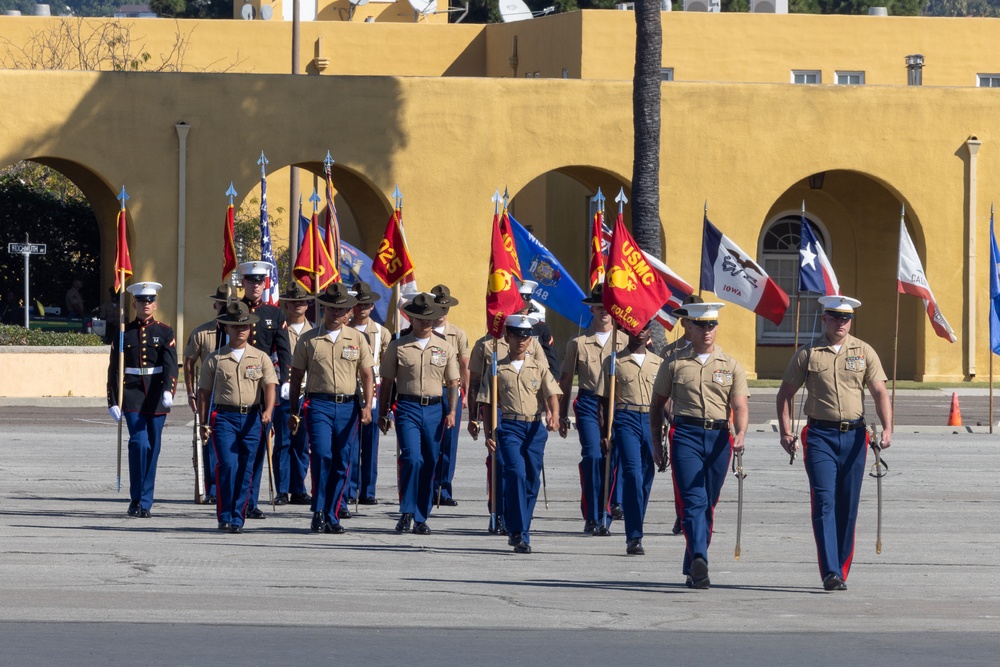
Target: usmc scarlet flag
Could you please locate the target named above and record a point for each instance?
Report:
(502, 297)
(509, 246)
(123, 261)
(392, 262)
(633, 290)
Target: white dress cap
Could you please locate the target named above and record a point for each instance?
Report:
(255, 268)
(839, 304)
(144, 289)
(523, 322)
(527, 287)
(700, 311)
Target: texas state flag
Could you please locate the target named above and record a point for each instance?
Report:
(735, 277)
(815, 272)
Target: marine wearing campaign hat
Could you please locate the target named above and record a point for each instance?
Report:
(449, 445)
(704, 384)
(835, 368)
(150, 358)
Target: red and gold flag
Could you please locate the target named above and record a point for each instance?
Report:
(633, 290)
(314, 261)
(123, 261)
(392, 262)
(502, 296)
(332, 229)
(596, 256)
(229, 244)
(509, 246)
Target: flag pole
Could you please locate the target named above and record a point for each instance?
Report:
(123, 197)
(993, 269)
(315, 276)
(895, 336)
(703, 220)
(798, 291)
(397, 296)
(493, 410)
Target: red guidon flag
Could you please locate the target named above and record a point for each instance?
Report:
(508, 244)
(502, 297)
(596, 251)
(123, 261)
(314, 261)
(332, 229)
(633, 291)
(912, 280)
(392, 262)
(228, 244)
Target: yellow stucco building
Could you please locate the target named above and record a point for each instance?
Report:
(450, 112)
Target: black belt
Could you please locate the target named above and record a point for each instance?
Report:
(336, 398)
(843, 427)
(422, 400)
(707, 424)
(521, 418)
(632, 407)
(242, 409)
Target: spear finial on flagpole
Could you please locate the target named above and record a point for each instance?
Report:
(397, 198)
(706, 208)
(315, 200)
(496, 202)
(328, 162)
(902, 211)
(263, 163)
(803, 208)
(123, 197)
(231, 192)
(506, 199)
(622, 200)
(599, 200)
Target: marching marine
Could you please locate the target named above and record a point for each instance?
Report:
(835, 369)
(150, 358)
(460, 341)
(704, 383)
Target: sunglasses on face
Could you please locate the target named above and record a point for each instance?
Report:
(145, 299)
(840, 317)
(253, 279)
(705, 325)
(522, 336)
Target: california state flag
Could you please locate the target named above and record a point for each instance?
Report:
(633, 291)
(912, 280)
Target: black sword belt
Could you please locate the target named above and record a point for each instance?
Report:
(707, 424)
(843, 426)
(336, 398)
(422, 400)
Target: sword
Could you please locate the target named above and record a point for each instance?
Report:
(878, 470)
(545, 493)
(198, 461)
(270, 467)
(740, 475)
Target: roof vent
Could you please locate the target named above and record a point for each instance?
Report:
(878, 11)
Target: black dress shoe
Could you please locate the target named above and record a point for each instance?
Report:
(225, 525)
(522, 547)
(255, 513)
(699, 573)
(351, 501)
(590, 526)
(344, 513)
(317, 522)
(145, 514)
(449, 502)
(209, 500)
(501, 526)
(617, 512)
(300, 499)
(369, 501)
(421, 529)
(403, 525)
(281, 499)
(676, 530)
(235, 529)
(833, 582)
(333, 528)
(634, 548)
(133, 509)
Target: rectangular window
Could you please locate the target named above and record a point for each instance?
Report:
(989, 80)
(850, 78)
(785, 272)
(807, 76)
(666, 74)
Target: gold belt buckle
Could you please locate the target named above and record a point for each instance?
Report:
(425, 400)
(244, 409)
(709, 424)
(845, 427)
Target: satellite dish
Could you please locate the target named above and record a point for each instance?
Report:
(359, 3)
(247, 12)
(424, 7)
(514, 10)
(266, 12)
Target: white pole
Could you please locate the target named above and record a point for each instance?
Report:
(182, 132)
(27, 299)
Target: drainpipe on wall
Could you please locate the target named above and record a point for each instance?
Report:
(182, 132)
(972, 144)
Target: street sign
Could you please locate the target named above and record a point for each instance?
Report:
(26, 248)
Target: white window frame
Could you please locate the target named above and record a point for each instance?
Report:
(849, 73)
(994, 80)
(783, 268)
(666, 74)
(805, 74)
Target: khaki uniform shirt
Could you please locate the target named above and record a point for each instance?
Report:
(332, 367)
(201, 342)
(378, 340)
(586, 354)
(420, 372)
(481, 358)
(703, 392)
(521, 392)
(294, 338)
(633, 383)
(458, 340)
(836, 380)
(238, 382)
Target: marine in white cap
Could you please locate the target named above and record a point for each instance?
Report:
(150, 382)
(836, 368)
(704, 384)
(540, 330)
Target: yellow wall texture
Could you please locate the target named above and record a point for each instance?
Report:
(450, 141)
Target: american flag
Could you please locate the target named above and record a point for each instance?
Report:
(271, 287)
(679, 288)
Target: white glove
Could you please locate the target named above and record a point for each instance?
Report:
(115, 413)
(168, 399)
(286, 389)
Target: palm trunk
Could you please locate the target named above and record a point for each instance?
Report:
(646, 125)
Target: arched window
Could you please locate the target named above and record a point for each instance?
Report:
(780, 258)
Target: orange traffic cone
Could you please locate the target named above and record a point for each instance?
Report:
(955, 416)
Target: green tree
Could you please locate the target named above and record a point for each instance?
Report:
(246, 234)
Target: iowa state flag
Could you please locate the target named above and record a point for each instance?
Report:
(228, 244)
(912, 280)
(314, 261)
(502, 297)
(392, 262)
(633, 290)
(735, 277)
(123, 261)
